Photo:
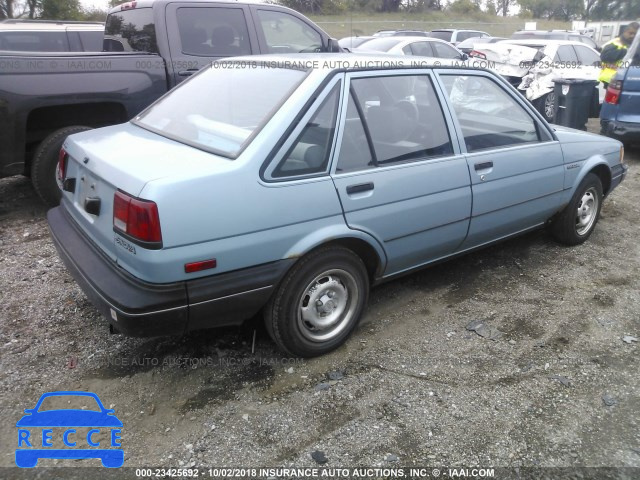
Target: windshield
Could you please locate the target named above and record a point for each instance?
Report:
(68, 402)
(442, 35)
(220, 109)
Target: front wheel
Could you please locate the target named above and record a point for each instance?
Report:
(44, 165)
(319, 302)
(575, 224)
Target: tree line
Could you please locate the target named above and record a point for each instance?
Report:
(564, 10)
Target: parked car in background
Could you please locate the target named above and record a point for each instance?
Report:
(555, 35)
(620, 113)
(410, 33)
(151, 46)
(417, 46)
(349, 43)
(469, 44)
(532, 65)
(454, 36)
(51, 36)
(295, 197)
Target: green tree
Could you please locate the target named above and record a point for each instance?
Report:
(463, 7)
(61, 10)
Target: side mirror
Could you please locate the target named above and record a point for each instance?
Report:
(464, 57)
(333, 46)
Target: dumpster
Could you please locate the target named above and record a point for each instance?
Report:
(574, 101)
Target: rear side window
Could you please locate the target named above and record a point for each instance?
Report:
(131, 31)
(91, 41)
(488, 115)
(587, 57)
(34, 41)
(309, 154)
(392, 120)
(213, 32)
(285, 33)
(566, 54)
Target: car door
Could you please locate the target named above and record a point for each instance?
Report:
(398, 170)
(516, 165)
(202, 33)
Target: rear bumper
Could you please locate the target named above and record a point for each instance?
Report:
(623, 131)
(139, 308)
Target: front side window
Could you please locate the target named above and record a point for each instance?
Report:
(213, 32)
(566, 54)
(587, 56)
(220, 109)
(309, 154)
(131, 30)
(392, 120)
(442, 50)
(488, 115)
(285, 33)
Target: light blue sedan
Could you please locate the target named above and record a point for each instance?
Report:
(290, 185)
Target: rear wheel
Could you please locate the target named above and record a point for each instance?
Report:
(319, 302)
(576, 222)
(45, 164)
(546, 106)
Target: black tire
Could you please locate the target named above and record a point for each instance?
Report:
(575, 224)
(545, 105)
(45, 163)
(338, 281)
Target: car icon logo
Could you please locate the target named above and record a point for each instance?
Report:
(55, 429)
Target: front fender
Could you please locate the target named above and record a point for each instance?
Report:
(576, 172)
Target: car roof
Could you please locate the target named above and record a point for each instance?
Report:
(149, 3)
(49, 27)
(543, 42)
(402, 41)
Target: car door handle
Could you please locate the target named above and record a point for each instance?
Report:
(483, 166)
(363, 187)
(187, 73)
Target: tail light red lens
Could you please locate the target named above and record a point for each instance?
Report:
(62, 164)
(613, 92)
(137, 220)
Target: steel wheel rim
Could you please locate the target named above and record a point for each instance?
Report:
(587, 211)
(327, 305)
(549, 104)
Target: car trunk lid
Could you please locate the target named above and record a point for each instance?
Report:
(126, 158)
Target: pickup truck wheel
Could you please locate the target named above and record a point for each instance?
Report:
(44, 165)
(319, 302)
(546, 105)
(576, 222)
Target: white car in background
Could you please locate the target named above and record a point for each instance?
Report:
(416, 46)
(532, 65)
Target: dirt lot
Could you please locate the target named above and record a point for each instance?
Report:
(412, 387)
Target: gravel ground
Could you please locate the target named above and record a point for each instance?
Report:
(555, 386)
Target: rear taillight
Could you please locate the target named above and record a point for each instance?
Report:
(62, 164)
(137, 220)
(613, 92)
(477, 54)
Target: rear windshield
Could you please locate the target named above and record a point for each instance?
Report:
(131, 31)
(441, 35)
(383, 44)
(221, 109)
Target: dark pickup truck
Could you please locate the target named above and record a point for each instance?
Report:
(149, 47)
